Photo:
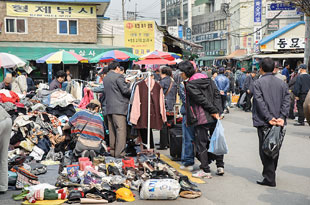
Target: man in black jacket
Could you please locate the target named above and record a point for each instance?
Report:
(270, 108)
(117, 94)
(247, 86)
(301, 88)
(203, 105)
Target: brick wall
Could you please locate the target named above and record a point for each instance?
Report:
(45, 30)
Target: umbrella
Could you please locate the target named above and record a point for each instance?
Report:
(114, 55)
(155, 61)
(10, 61)
(160, 54)
(64, 57)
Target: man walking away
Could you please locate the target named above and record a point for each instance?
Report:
(117, 94)
(222, 83)
(231, 90)
(301, 88)
(248, 87)
(240, 78)
(286, 72)
(270, 108)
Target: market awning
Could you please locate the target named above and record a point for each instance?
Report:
(184, 41)
(280, 55)
(35, 50)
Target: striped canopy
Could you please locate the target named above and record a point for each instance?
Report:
(64, 57)
(160, 54)
(114, 55)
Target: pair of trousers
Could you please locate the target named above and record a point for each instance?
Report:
(241, 93)
(292, 106)
(5, 135)
(188, 136)
(117, 134)
(202, 142)
(224, 99)
(248, 104)
(300, 107)
(269, 164)
(79, 148)
(229, 96)
(164, 133)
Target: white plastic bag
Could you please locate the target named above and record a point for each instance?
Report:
(218, 144)
(160, 189)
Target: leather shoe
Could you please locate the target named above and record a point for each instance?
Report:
(265, 183)
(299, 124)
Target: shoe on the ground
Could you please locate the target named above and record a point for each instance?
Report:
(220, 171)
(266, 183)
(187, 168)
(186, 184)
(202, 174)
(85, 153)
(299, 124)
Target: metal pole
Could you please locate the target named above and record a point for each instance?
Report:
(149, 111)
(123, 9)
(307, 40)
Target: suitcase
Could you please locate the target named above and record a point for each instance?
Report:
(175, 135)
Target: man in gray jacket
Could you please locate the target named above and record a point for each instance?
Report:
(271, 106)
(117, 94)
(5, 135)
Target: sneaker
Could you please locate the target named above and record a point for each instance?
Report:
(202, 174)
(220, 171)
(184, 180)
(187, 168)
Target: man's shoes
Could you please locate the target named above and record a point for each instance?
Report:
(247, 110)
(187, 168)
(299, 124)
(220, 171)
(186, 185)
(202, 174)
(265, 183)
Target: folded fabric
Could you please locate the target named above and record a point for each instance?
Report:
(38, 107)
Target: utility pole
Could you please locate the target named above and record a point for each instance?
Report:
(136, 11)
(123, 9)
(307, 40)
(228, 15)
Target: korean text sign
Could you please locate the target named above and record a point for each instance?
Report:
(50, 10)
(289, 43)
(257, 11)
(140, 36)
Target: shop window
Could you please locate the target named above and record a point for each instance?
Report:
(216, 25)
(67, 27)
(16, 25)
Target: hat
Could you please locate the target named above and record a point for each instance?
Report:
(303, 66)
(96, 102)
(104, 70)
(243, 69)
(221, 70)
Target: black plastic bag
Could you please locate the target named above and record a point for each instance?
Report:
(273, 141)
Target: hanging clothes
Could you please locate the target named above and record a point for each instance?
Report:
(138, 115)
(88, 96)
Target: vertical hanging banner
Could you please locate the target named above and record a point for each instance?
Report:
(257, 11)
(140, 35)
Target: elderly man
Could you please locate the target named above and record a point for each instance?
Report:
(7, 83)
(57, 82)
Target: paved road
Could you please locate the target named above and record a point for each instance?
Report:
(243, 168)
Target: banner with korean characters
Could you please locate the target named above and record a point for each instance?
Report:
(42, 10)
(289, 43)
(140, 36)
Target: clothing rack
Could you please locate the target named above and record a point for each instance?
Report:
(148, 75)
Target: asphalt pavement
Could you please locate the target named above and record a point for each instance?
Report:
(242, 169)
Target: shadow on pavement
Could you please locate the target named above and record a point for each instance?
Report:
(277, 197)
(297, 170)
(249, 174)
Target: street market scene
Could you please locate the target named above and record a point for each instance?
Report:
(159, 101)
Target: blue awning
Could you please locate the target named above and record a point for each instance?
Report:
(280, 32)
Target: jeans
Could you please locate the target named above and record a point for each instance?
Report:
(187, 156)
(229, 100)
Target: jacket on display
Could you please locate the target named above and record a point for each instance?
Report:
(117, 94)
(19, 84)
(138, 115)
(170, 95)
(202, 99)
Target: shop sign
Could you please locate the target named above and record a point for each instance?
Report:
(258, 11)
(188, 34)
(209, 36)
(41, 10)
(173, 31)
(273, 25)
(288, 10)
(140, 35)
(289, 43)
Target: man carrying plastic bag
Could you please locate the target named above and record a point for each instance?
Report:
(218, 144)
(270, 108)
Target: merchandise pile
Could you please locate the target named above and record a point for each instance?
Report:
(38, 141)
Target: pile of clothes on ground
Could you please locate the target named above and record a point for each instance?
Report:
(38, 141)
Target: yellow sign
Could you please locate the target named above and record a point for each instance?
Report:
(49, 10)
(140, 36)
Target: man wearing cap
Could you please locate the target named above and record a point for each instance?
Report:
(277, 72)
(301, 88)
(222, 83)
(88, 125)
(247, 87)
